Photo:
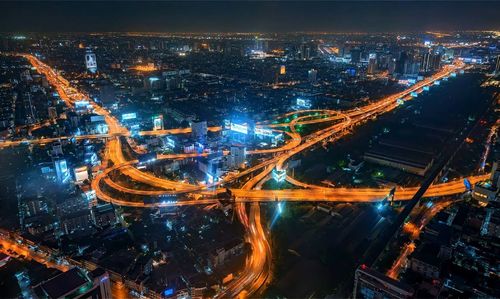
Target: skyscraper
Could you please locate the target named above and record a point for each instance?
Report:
(237, 156)
(430, 62)
(90, 61)
(62, 171)
(372, 64)
(355, 55)
(199, 130)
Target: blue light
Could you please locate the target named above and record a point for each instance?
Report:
(279, 175)
(380, 206)
(280, 207)
(168, 292)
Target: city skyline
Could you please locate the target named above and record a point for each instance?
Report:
(138, 163)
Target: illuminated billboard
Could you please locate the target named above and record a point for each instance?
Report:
(158, 123)
(127, 116)
(240, 128)
(96, 118)
(81, 104)
(263, 132)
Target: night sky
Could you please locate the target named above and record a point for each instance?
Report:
(248, 16)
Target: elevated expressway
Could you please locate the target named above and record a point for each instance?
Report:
(258, 266)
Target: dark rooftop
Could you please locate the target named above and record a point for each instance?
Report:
(63, 284)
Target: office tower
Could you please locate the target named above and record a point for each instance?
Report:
(430, 62)
(372, 64)
(199, 129)
(369, 283)
(355, 55)
(312, 76)
(304, 52)
(401, 62)
(90, 61)
(237, 156)
(425, 62)
(391, 66)
(81, 174)
(153, 83)
(62, 171)
(57, 149)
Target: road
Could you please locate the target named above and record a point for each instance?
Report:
(258, 266)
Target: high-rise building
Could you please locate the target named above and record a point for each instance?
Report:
(153, 83)
(312, 76)
(237, 156)
(401, 62)
(355, 55)
(391, 66)
(430, 62)
(372, 63)
(81, 174)
(199, 129)
(62, 171)
(75, 283)
(304, 51)
(369, 283)
(90, 61)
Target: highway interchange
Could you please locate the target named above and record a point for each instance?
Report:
(335, 125)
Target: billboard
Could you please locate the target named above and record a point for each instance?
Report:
(96, 118)
(263, 132)
(127, 116)
(82, 104)
(240, 128)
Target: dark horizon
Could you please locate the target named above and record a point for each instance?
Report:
(248, 16)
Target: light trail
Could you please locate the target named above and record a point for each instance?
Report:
(258, 266)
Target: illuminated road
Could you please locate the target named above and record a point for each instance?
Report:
(413, 228)
(258, 265)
